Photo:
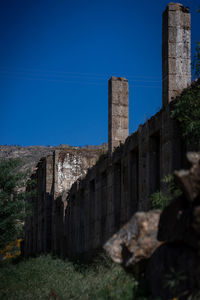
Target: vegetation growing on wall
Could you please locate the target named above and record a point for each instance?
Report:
(187, 108)
(159, 200)
(187, 111)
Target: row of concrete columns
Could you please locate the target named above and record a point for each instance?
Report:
(176, 73)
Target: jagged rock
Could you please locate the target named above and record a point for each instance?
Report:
(180, 221)
(173, 269)
(176, 223)
(136, 240)
(189, 181)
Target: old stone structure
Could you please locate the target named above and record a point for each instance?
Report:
(176, 51)
(54, 176)
(119, 184)
(118, 112)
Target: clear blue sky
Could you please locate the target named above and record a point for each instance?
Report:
(56, 57)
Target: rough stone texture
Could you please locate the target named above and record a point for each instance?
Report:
(118, 112)
(136, 240)
(189, 181)
(72, 164)
(172, 271)
(177, 261)
(180, 221)
(176, 51)
(53, 177)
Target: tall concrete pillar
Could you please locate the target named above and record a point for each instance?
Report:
(118, 112)
(176, 51)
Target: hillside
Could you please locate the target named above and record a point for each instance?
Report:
(30, 155)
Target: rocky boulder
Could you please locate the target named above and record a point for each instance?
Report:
(180, 221)
(172, 262)
(136, 240)
(174, 268)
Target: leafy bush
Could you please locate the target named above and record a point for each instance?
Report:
(187, 111)
(187, 108)
(12, 201)
(159, 200)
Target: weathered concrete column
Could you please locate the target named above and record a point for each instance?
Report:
(48, 203)
(176, 51)
(118, 112)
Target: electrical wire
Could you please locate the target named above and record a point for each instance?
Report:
(73, 77)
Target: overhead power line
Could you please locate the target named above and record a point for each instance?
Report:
(54, 72)
(71, 77)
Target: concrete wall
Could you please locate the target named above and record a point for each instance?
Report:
(96, 206)
(118, 112)
(119, 184)
(53, 178)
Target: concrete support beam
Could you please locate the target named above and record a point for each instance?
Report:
(118, 112)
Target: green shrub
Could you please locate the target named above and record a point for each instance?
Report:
(159, 200)
(12, 201)
(187, 111)
(48, 278)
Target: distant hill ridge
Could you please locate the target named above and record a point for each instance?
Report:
(30, 155)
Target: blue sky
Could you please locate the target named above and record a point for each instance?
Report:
(56, 58)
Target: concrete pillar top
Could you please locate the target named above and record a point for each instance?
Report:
(177, 6)
(118, 78)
